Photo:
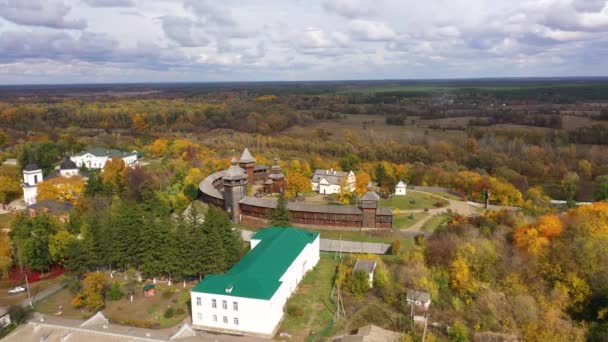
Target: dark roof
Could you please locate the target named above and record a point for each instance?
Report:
(53, 206)
(260, 167)
(206, 186)
(68, 164)
(235, 172)
(384, 212)
(370, 196)
(294, 206)
(258, 274)
(418, 296)
(31, 167)
(332, 176)
(365, 265)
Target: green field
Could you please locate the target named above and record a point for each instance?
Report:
(435, 222)
(404, 221)
(413, 201)
(310, 310)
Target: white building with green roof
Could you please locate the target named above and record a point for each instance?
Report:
(249, 298)
(96, 158)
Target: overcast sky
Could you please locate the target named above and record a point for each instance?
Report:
(74, 41)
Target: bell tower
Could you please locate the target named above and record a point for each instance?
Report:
(32, 175)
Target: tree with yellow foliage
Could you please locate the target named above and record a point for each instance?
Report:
(461, 276)
(159, 147)
(549, 226)
(113, 174)
(139, 122)
(65, 189)
(5, 254)
(363, 179)
(297, 183)
(529, 239)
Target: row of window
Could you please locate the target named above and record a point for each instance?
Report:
(235, 320)
(235, 305)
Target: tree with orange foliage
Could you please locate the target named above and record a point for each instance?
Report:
(529, 239)
(363, 179)
(549, 226)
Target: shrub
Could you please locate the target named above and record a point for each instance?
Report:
(184, 297)
(358, 284)
(438, 204)
(410, 216)
(458, 332)
(114, 293)
(396, 247)
(167, 293)
(170, 312)
(295, 310)
(18, 314)
(420, 239)
(180, 311)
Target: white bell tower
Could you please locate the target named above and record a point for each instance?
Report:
(32, 175)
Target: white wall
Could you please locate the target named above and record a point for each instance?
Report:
(94, 162)
(255, 316)
(329, 189)
(68, 173)
(30, 193)
(400, 191)
(32, 177)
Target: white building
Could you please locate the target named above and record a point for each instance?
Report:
(401, 189)
(32, 176)
(327, 182)
(96, 158)
(249, 298)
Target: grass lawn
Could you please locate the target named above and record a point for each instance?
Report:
(148, 312)
(435, 222)
(310, 310)
(412, 201)
(404, 221)
(35, 288)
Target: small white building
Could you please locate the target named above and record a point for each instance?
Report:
(419, 298)
(327, 182)
(249, 298)
(401, 189)
(96, 158)
(367, 266)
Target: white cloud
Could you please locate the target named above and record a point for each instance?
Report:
(351, 8)
(371, 30)
(47, 13)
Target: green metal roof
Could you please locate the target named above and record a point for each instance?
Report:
(148, 287)
(105, 152)
(257, 275)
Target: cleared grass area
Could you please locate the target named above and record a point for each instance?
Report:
(435, 222)
(310, 310)
(413, 201)
(404, 221)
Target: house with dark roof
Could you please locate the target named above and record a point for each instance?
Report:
(96, 158)
(249, 298)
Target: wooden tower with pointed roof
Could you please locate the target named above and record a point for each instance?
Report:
(369, 206)
(247, 162)
(235, 188)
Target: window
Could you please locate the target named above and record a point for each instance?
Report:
(225, 319)
(199, 316)
(215, 318)
(213, 303)
(198, 301)
(235, 306)
(236, 321)
(224, 305)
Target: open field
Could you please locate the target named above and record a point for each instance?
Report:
(435, 222)
(404, 221)
(414, 200)
(310, 309)
(35, 288)
(5, 219)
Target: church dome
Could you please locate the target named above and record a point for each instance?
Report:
(68, 164)
(31, 167)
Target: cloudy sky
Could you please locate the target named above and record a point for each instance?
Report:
(77, 41)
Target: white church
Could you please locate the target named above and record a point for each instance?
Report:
(95, 158)
(327, 182)
(250, 297)
(32, 176)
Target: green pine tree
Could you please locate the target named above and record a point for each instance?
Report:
(280, 216)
